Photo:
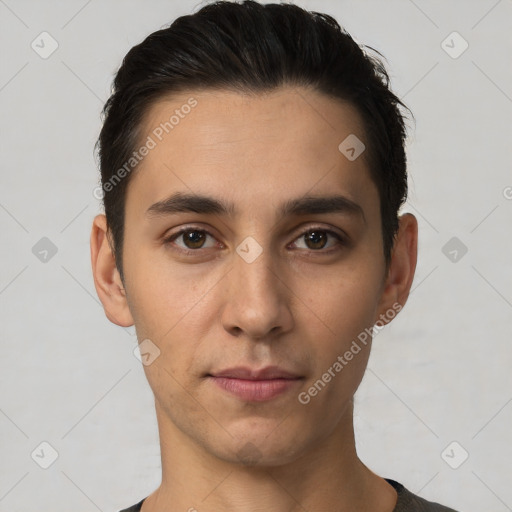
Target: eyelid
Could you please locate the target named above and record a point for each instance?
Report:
(305, 228)
(342, 240)
(168, 239)
(340, 236)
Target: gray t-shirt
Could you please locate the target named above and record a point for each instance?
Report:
(406, 502)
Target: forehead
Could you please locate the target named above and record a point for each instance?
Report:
(250, 148)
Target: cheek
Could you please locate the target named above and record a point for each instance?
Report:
(160, 293)
(171, 307)
(342, 303)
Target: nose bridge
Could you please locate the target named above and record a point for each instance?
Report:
(255, 268)
(256, 301)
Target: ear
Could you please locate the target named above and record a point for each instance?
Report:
(401, 269)
(107, 280)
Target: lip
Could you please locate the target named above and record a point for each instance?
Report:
(267, 373)
(255, 385)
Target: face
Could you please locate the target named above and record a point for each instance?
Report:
(252, 287)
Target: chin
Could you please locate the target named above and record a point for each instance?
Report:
(252, 450)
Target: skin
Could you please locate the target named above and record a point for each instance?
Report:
(296, 305)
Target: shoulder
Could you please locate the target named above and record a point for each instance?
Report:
(410, 502)
(134, 508)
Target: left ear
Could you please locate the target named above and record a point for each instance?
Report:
(401, 269)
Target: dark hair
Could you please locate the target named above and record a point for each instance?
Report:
(250, 48)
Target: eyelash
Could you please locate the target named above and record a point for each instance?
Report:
(341, 241)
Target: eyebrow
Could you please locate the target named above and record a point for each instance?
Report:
(180, 202)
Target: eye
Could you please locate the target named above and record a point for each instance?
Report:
(193, 238)
(316, 238)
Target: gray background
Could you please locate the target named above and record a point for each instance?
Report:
(438, 374)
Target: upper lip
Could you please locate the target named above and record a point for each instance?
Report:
(267, 373)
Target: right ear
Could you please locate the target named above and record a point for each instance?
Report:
(107, 279)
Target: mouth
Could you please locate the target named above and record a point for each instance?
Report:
(255, 385)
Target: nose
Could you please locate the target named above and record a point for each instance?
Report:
(257, 302)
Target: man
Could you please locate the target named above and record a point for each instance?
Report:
(253, 166)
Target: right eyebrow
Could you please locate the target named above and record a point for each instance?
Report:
(180, 202)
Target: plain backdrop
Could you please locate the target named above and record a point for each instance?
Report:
(434, 409)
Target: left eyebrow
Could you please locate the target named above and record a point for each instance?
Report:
(184, 202)
(316, 205)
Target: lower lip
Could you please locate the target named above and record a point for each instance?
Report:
(255, 390)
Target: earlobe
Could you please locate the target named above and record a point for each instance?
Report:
(402, 268)
(107, 280)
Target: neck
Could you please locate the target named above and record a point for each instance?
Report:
(329, 475)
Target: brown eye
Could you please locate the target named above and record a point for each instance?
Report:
(192, 239)
(317, 239)
(314, 239)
